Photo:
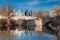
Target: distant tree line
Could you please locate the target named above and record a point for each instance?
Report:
(44, 14)
(7, 9)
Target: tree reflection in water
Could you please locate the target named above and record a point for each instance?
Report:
(34, 36)
(24, 35)
(27, 32)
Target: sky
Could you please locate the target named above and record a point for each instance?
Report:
(34, 5)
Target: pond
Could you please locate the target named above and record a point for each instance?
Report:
(24, 35)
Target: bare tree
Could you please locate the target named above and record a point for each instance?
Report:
(42, 14)
(39, 14)
(57, 10)
(8, 8)
(3, 12)
(47, 14)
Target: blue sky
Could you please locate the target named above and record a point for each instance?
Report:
(31, 4)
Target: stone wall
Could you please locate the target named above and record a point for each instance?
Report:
(30, 24)
(38, 25)
(35, 25)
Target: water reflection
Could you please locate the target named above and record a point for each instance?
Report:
(20, 32)
(24, 35)
(33, 36)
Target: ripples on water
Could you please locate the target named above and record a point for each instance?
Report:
(24, 35)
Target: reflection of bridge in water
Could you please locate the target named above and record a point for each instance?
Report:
(20, 25)
(33, 25)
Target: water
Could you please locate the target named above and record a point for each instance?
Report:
(23, 35)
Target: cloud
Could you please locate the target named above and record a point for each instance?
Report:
(49, 1)
(33, 2)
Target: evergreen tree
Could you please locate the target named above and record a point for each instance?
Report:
(31, 13)
(26, 12)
